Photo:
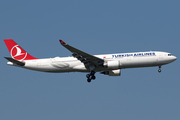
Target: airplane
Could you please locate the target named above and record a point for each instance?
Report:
(107, 64)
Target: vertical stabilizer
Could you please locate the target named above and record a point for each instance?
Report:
(16, 51)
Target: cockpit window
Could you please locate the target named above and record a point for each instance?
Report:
(169, 55)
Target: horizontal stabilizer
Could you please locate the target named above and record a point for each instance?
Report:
(15, 61)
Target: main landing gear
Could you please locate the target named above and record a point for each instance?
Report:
(159, 69)
(90, 76)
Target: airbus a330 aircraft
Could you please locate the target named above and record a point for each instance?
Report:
(107, 64)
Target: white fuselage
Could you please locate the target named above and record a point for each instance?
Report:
(127, 60)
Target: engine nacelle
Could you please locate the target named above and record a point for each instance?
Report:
(112, 64)
(112, 72)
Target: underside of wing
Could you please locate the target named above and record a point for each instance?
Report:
(86, 58)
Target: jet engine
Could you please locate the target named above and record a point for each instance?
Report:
(112, 72)
(115, 64)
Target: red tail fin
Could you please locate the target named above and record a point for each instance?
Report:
(16, 51)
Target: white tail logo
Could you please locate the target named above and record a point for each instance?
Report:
(18, 54)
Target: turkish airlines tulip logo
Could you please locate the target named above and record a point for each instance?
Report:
(18, 53)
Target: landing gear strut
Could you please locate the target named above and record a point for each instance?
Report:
(159, 69)
(90, 76)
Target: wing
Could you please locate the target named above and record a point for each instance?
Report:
(85, 58)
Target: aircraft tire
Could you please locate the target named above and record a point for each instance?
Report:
(88, 80)
(88, 75)
(93, 77)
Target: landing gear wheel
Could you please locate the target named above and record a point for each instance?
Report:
(93, 77)
(159, 69)
(88, 75)
(88, 80)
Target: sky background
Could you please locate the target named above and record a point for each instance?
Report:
(96, 27)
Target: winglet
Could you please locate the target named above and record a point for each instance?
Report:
(62, 42)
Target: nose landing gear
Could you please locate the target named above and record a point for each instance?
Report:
(90, 76)
(159, 69)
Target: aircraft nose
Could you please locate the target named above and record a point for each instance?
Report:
(174, 58)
